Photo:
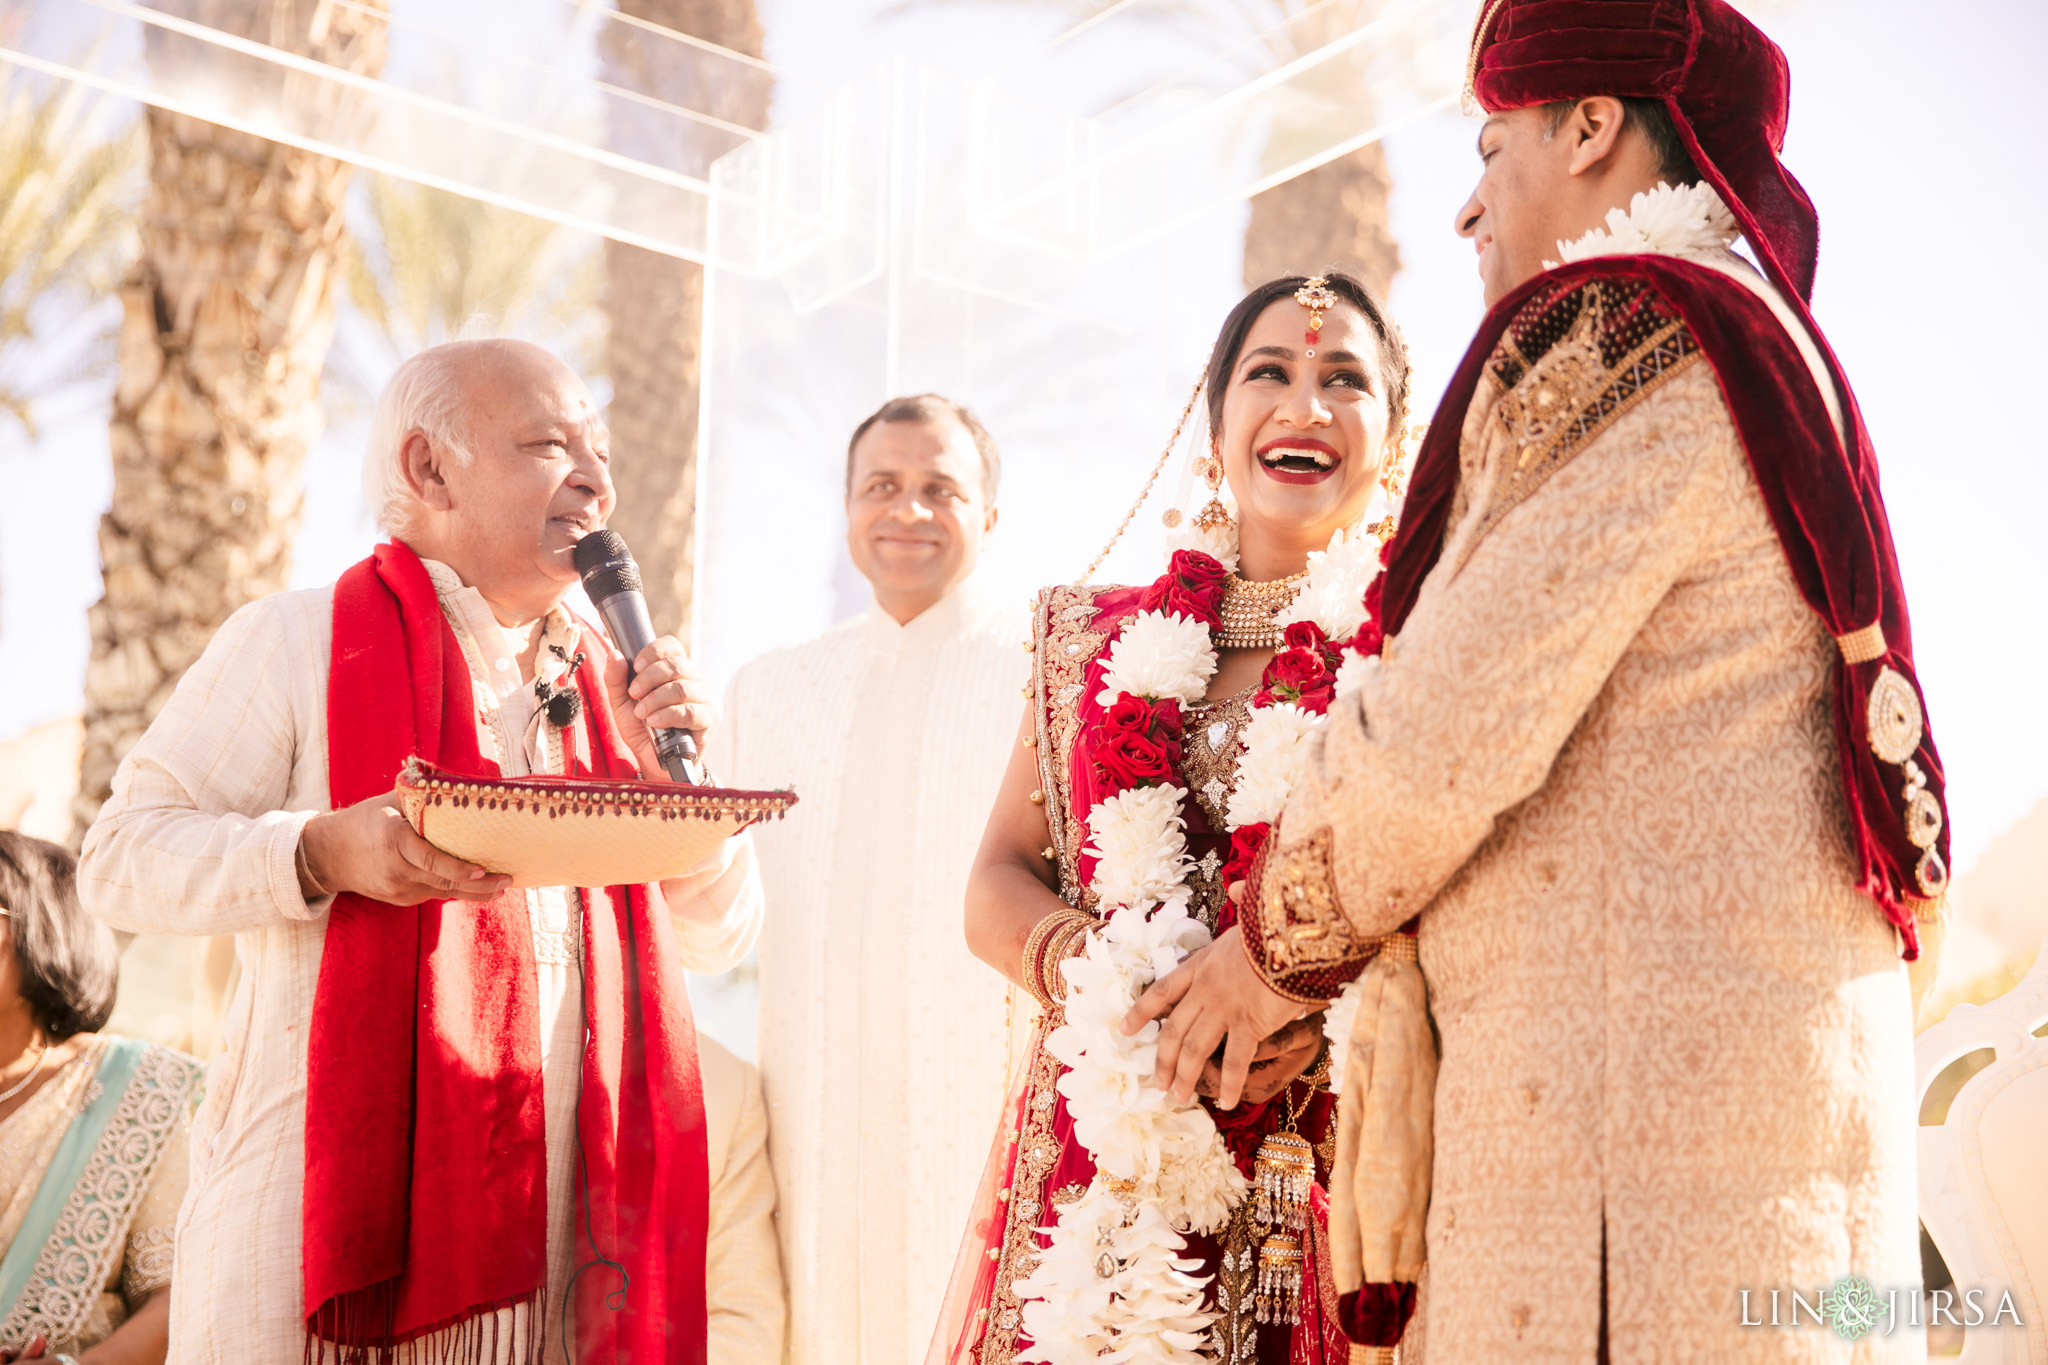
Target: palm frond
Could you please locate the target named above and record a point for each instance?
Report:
(70, 193)
(428, 266)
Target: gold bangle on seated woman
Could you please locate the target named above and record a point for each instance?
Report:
(92, 1131)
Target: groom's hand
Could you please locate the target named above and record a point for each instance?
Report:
(1280, 1058)
(1213, 997)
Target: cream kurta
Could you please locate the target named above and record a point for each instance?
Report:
(1600, 758)
(743, 1266)
(198, 838)
(881, 1037)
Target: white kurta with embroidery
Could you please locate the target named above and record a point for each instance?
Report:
(881, 1037)
(199, 837)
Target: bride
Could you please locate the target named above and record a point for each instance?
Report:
(1157, 747)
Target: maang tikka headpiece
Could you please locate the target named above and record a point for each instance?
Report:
(1318, 298)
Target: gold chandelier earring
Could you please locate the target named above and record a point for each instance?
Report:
(1215, 516)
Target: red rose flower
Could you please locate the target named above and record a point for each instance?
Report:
(1135, 715)
(1296, 671)
(1192, 587)
(1306, 635)
(1370, 638)
(1245, 846)
(1317, 700)
(1124, 759)
(1198, 572)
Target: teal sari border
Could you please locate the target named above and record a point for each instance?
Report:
(117, 1068)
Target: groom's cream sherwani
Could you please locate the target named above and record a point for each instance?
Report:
(881, 1038)
(1599, 758)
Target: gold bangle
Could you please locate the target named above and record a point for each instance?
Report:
(1034, 946)
(1058, 949)
(1049, 942)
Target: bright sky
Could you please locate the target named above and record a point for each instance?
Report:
(1909, 124)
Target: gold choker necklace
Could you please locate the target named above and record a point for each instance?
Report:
(1249, 609)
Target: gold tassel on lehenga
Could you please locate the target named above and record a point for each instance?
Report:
(1280, 1279)
(1282, 1174)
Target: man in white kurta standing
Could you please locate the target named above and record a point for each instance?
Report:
(487, 463)
(882, 1042)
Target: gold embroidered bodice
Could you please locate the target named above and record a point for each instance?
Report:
(1069, 629)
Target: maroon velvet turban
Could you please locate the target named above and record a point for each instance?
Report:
(1726, 85)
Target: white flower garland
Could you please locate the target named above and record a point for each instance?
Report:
(1111, 1283)
(1688, 220)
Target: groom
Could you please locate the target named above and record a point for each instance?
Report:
(1644, 750)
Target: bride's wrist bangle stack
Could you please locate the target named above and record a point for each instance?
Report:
(1052, 941)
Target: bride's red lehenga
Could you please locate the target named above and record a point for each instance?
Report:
(1037, 1165)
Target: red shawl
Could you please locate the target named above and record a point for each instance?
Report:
(1823, 501)
(426, 1156)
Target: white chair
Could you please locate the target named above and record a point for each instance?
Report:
(1984, 1172)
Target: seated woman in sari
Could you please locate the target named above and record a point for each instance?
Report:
(92, 1134)
(1156, 749)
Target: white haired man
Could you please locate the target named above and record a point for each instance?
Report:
(881, 1037)
(459, 1126)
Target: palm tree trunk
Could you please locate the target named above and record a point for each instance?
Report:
(227, 318)
(1331, 218)
(655, 307)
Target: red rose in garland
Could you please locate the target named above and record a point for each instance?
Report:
(1308, 635)
(1127, 758)
(1158, 719)
(1245, 844)
(1137, 744)
(1371, 637)
(1295, 671)
(1193, 586)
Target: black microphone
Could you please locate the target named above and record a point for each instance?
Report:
(613, 581)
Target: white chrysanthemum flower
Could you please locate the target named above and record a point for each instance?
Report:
(1337, 1028)
(1159, 656)
(1334, 596)
(1220, 543)
(1275, 748)
(1139, 841)
(1352, 673)
(1199, 1191)
(1668, 220)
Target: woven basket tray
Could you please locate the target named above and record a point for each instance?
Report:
(557, 831)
